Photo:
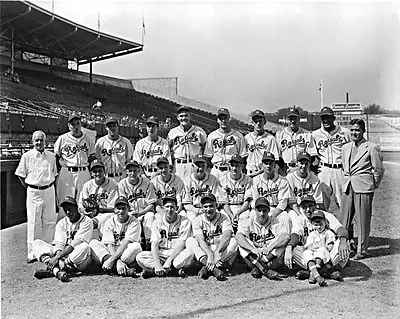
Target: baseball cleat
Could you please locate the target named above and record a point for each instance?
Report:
(302, 274)
(147, 274)
(273, 275)
(131, 273)
(312, 280)
(219, 274)
(42, 273)
(62, 276)
(203, 273)
(336, 275)
(321, 281)
(361, 255)
(256, 273)
(182, 273)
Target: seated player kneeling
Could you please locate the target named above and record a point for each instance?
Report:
(169, 233)
(117, 251)
(262, 239)
(70, 251)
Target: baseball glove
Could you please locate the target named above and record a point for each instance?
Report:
(91, 206)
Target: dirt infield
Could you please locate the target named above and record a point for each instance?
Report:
(371, 288)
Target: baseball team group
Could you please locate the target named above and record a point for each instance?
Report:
(193, 202)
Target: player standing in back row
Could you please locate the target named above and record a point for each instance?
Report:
(223, 143)
(329, 140)
(185, 141)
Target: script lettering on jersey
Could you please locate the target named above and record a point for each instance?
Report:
(336, 139)
(98, 197)
(72, 150)
(119, 148)
(300, 192)
(300, 140)
(189, 138)
(151, 153)
(171, 235)
(259, 240)
(134, 196)
(268, 192)
(220, 143)
(169, 192)
(118, 237)
(257, 146)
(206, 189)
(232, 192)
(209, 235)
(71, 235)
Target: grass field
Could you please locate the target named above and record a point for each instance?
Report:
(371, 288)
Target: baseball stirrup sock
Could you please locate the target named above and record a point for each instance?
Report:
(253, 258)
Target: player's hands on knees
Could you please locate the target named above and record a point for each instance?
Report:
(217, 259)
(167, 265)
(53, 262)
(121, 268)
(344, 251)
(108, 265)
(288, 258)
(266, 250)
(210, 262)
(159, 270)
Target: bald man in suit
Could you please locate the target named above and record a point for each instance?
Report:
(363, 172)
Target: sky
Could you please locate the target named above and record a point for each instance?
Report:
(255, 55)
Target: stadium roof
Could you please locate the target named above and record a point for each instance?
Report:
(40, 31)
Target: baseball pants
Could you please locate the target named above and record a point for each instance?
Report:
(128, 257)
(320, 252)
(183, 170)
(41, 216)
(146, 221)
(228, 255)
(183, 260)
(360, 205)
(332, 184)
(277, 252)
(298, 256)
(80, 257)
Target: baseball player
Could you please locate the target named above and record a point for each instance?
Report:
(262, 239)
(117, 251)
(185, 141)
(37, 172)
(74, 150)
(141, 197)
(223, 143)
(212, 243)
(197, 185)
(293, 139)
(98, 196)
(70, 250)
(114, 150)
(329, 140)
(276, 189)
(152, 147)
(257, 143)
(236, 191)
(167, 184)
(168, 241)
(294, 252)
(304, 182)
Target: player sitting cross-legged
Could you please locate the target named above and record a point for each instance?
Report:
(262, 239)
(213, 243)
(168, 241)
(117, 251)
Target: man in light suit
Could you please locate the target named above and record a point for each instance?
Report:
(363, 171)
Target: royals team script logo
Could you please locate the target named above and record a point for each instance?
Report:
(257, 146)
(300, 192)
(135, 196)
(153, 152)
(182, 140)
(220, 143)
(118, 237)
(72, 150)
(170, 192)
(170, 235)
(260, 240)
(117, 149)
(206, 189)
(267, 192)
(209, 235)
(233, 192)
(336, 139)
(300, 141)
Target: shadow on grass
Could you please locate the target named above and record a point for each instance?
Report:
(356, 271)
(381, 246)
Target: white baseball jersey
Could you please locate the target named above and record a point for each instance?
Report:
(174, 187)
(276, 190)
(329, 144)
(104, 194)
(168, 235)
(74, 152)
(148, 152)
(139, 195)
(114, 231)
(256, 146)
(195, 189)
(114, 153)
(310, 185)
(73, 234)
(211, 230)
(303, 226)
(317, 240)
(186, 145)
(292, 143)
(235, 192)
(262, 235)
(222, 146)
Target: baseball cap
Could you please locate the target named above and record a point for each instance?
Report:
(69, 200)
(162, 160)
(261, 201)
(153, 120)
(182, 109)
(96, 163)
(208, 198)
(268, 156)
(121, 200)
(199, 159)
(307, 198)
(317, 214)
(73, 116)
(169, 199)
(326, 111)
(257, 113)
(132, 163)
(111, 119)
(293, 111)
(224, 111)
(303, 155)
(236, 158)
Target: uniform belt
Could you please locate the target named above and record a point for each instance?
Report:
(238, 204)
(291, 164)
(183, 161)
(114, 175)
(152, 170)
(41, 187)
(76, 169)
(222, 168)
(273, 206)
(333, 165)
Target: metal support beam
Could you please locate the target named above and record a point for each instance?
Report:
(39, 27)
(17, 17)
(111, 55)
(12, 50)
(85, 46)
(60, 39)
